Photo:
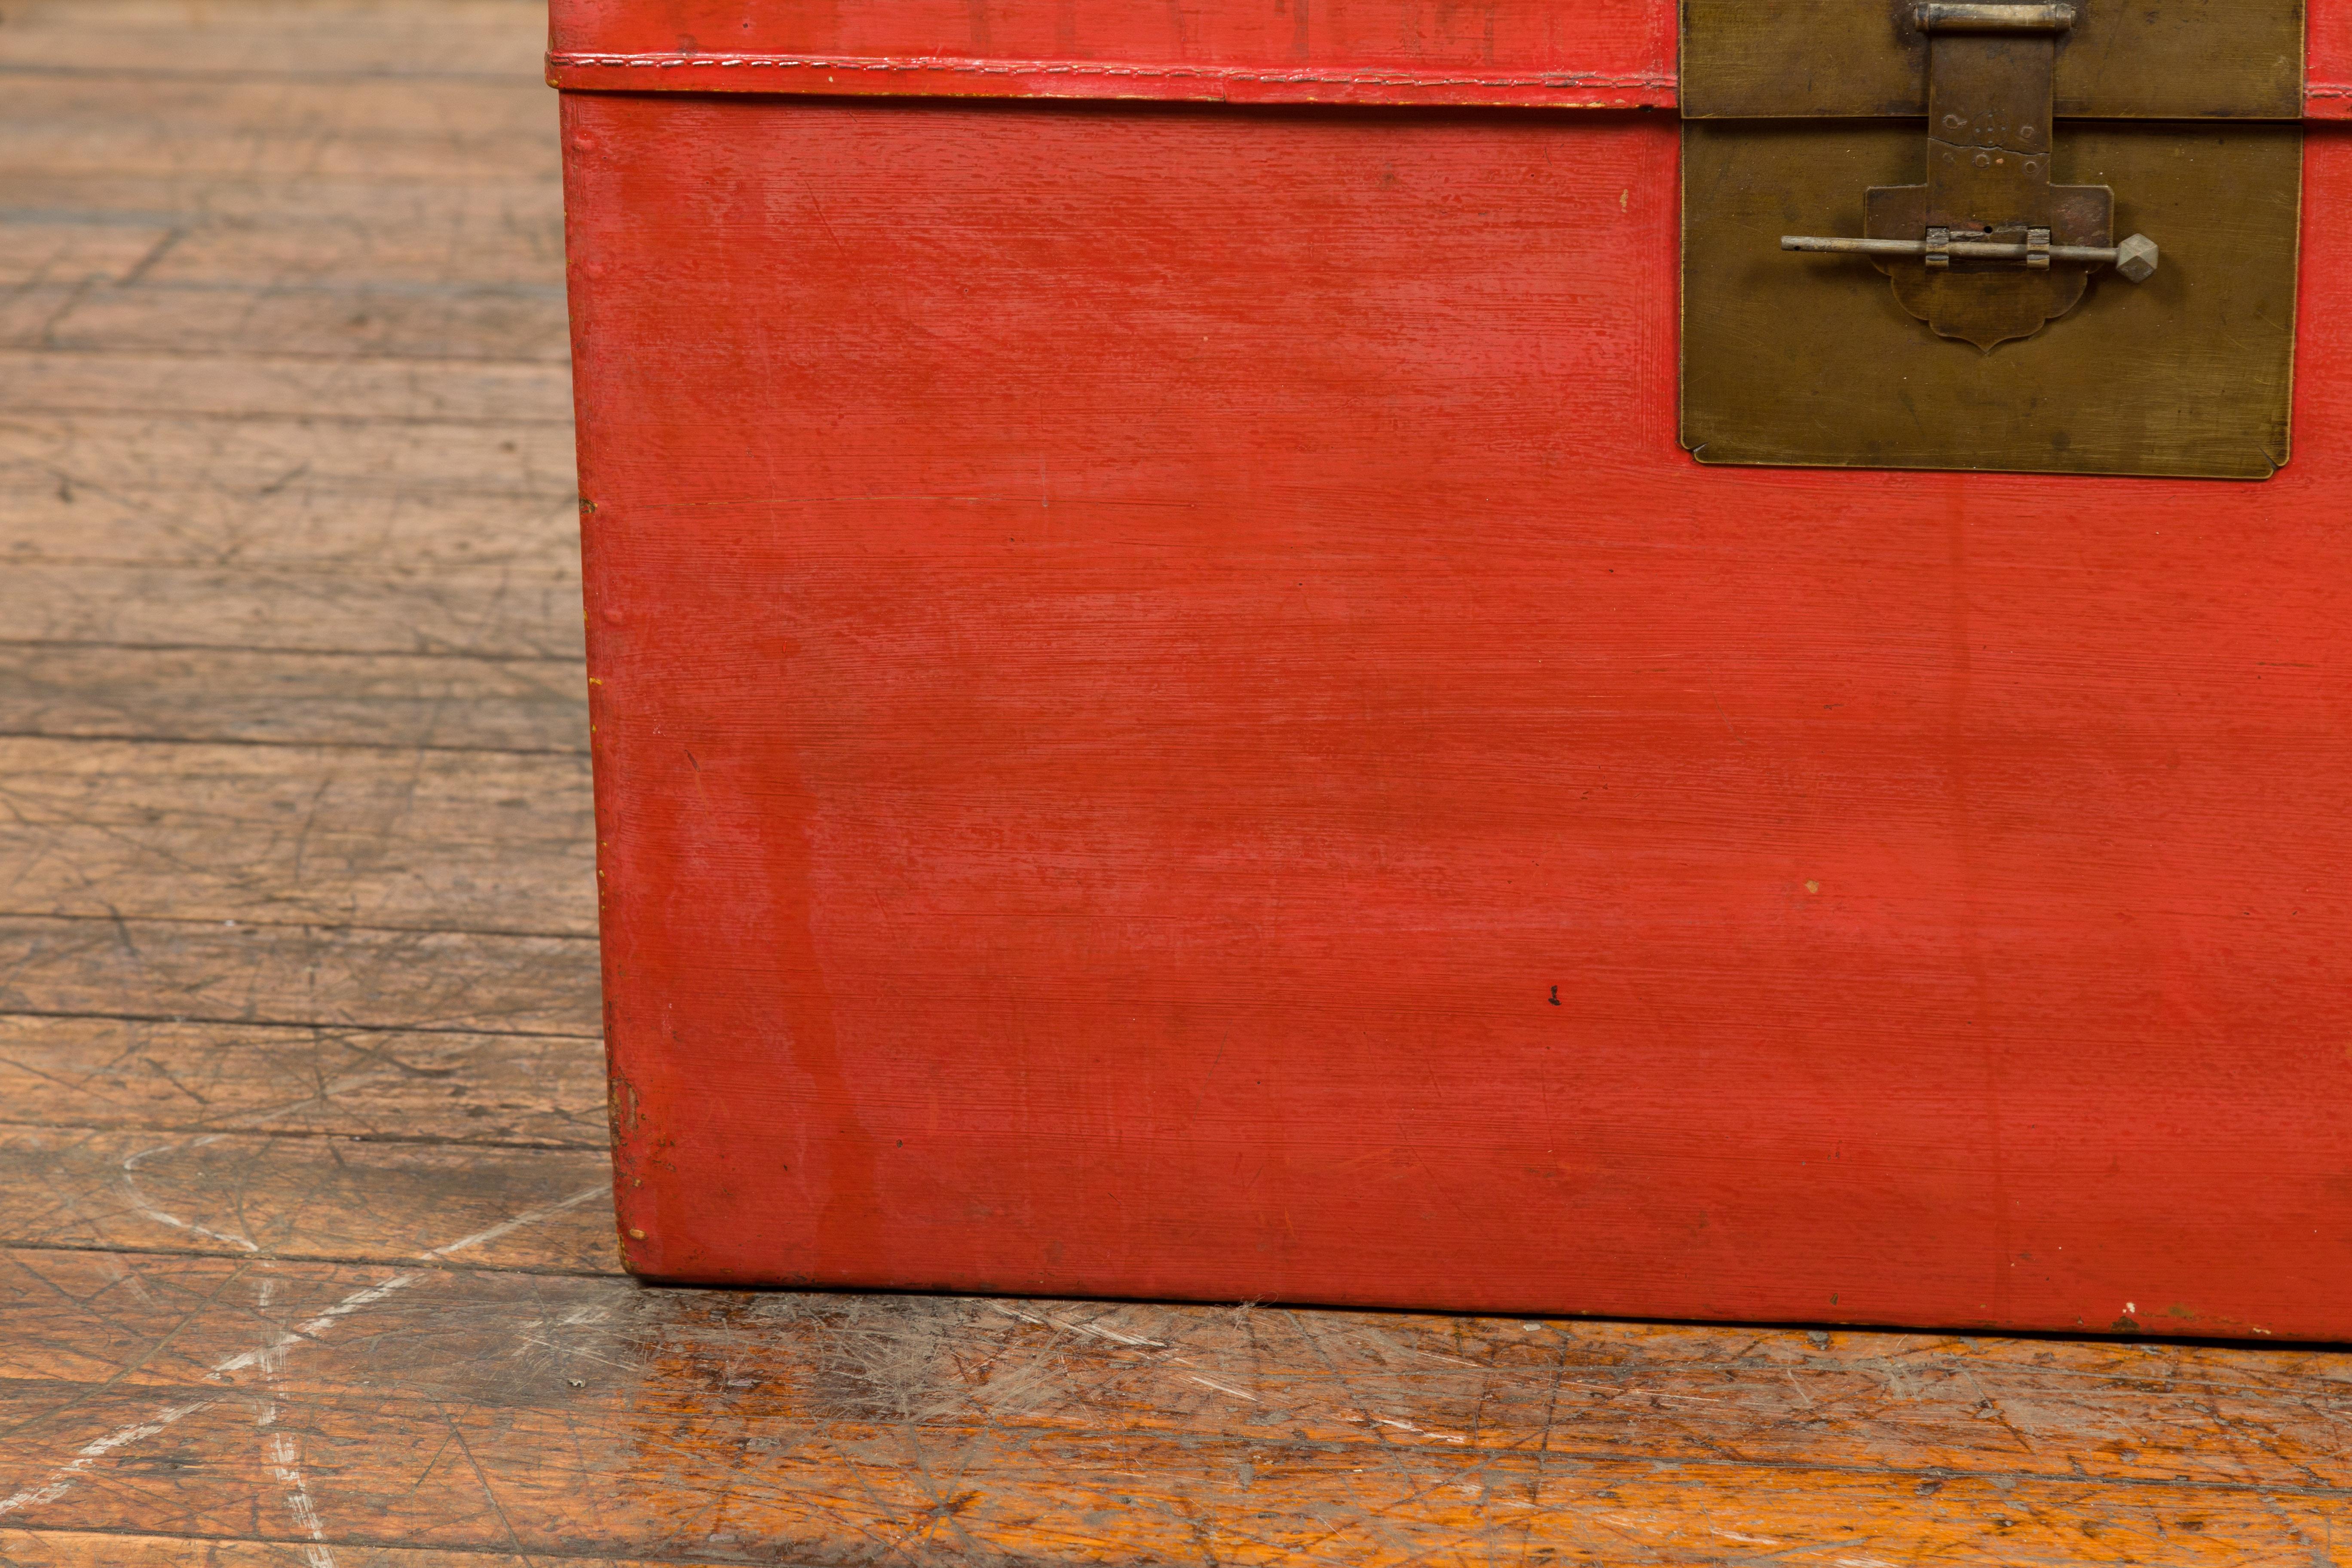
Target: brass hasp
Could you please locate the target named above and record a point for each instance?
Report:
(1988, 249)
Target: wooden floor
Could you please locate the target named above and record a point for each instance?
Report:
(302, 1190)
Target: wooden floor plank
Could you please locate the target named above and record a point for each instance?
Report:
(75, 1549)
(497, 841)
(489, 614)
(396, 1086)
(256, 386)
(945, 1368)
(385, 253)
(405, 242)
(494, 245)
(396, 701)
(37, 251)
(520, 322)
(266, 456)
(301, 976)
(424, 238)
(305, 523)
(457, 1477)
(304, 1197)
(601, 1415)
(521, 211)
(417, 127)
(277, 37)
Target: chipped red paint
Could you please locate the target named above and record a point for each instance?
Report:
(1174, 722)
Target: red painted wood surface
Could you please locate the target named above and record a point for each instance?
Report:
(2328, 60)
(1615, 54)
(1172, 721)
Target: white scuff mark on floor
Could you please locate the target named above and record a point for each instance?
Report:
(61, 1479)
(1627, 1523)
(284, 1453)
(1004, 1311)
(1099, 1331)
(281, 1452)
(1368, 1418)
(360, 1299)
(269, 1355)
(1163, 1355)
(146, 1208)
(568, 1353)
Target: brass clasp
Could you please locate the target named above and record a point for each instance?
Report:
(1953, 246)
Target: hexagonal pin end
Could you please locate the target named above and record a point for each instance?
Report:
(2136, 258)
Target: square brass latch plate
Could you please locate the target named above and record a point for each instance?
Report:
(2040, 238)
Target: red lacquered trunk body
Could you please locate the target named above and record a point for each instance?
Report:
(1171, 720)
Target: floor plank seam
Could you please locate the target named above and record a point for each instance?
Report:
(557, 577)
(564, 661)
(1596, 1458)
(316, 486)
(235, 78)
(313, 1135)
(70, 347)
(298, 417)
(261, 923)
(348, 1260)
(300, 1023)
(101, 352)
(117, 737)
(535, 1553)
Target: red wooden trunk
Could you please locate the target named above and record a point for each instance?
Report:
(1172, 721)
